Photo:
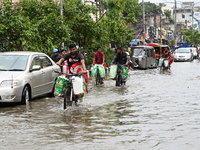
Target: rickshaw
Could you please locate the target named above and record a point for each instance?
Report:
(158, 50)
(143, 57)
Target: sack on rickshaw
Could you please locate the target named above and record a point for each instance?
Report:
(101, 71)
(60, 86)
(124, 72)
(78, 85)
(113, 71)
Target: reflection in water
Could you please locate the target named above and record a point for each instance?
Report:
(154, 110)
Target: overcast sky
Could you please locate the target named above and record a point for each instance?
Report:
(171, 2)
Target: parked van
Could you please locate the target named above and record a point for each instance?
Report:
(143, 57)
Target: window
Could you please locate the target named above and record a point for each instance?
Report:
(35, 61)
(13, 62)
(149, 53)
(45, 61)
(153, 53)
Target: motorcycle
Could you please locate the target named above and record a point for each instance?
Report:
(164, 64)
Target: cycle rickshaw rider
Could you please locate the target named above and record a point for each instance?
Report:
(74, 57)
(98, 60)
(121, 58)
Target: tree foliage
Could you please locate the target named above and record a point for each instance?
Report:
(36, 25)
(168, 15)
(189, 37)
(152, 8)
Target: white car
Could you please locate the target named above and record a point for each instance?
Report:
(183, 54)
(26, 75)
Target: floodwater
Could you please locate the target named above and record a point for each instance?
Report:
(154, 111)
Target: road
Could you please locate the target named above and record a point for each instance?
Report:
(154, 111)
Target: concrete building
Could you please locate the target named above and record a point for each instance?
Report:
(183, 14)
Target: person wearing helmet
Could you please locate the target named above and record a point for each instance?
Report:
(56, 56)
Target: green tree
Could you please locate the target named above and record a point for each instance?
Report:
(132, 9)
(168, 15)
(115, 24)
(189, 37)
(15, 29)
(152, 8)
(36, 25)
(49, 31)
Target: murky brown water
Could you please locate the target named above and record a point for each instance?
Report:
(154, 111)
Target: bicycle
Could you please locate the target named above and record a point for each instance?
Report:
(99, 79)
(68, 93)
(119, 79)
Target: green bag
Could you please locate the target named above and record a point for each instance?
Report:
(157, 61)
(113, 71)
(101, 71)
(160, 62)
(60, 86)
(124, 71)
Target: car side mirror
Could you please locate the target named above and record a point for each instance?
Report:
(35, 68)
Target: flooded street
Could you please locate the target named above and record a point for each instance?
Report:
(153, 111)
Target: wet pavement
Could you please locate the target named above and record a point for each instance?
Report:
(154, 111)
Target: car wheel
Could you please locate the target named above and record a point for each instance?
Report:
(25, 95)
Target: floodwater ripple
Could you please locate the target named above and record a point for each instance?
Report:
(154, 110)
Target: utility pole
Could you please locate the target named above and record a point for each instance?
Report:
(175, 25)
(61, 15)
(143, 12)
(96, 11)
(192, 23)
(160, 28)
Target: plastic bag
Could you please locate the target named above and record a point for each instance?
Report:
(160, 62)
(124, 71)
(166, 62)
(113, 71)
(101, 71)
(78, 85)
(60, 86)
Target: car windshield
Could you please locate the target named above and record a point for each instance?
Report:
(183, 50)
(138, 52)
(13, 62)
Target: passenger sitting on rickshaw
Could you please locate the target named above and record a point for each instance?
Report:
(167, 55)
